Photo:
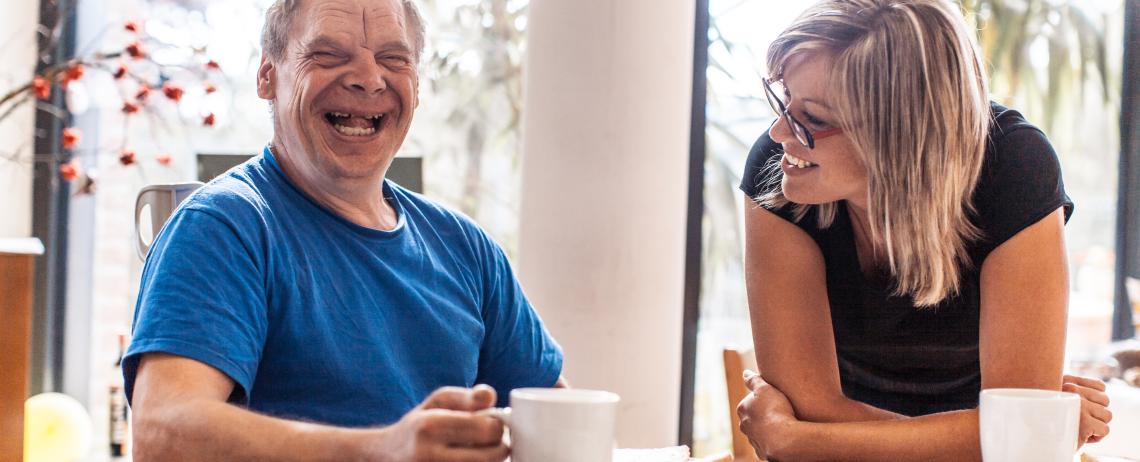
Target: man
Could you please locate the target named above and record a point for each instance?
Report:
(300, 307)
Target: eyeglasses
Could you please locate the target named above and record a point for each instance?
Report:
(805, 136)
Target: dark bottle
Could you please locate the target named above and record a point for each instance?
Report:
(120, 418)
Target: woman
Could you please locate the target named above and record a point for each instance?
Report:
(905, 242)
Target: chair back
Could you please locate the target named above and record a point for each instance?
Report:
(735, 362)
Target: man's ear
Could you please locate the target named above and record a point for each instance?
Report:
(266, 76)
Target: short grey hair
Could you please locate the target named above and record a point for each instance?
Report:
(275, 32)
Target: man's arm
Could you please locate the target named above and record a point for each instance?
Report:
(181, 413)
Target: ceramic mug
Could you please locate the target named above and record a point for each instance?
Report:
(560, 424)
(163, 199)
(1027, 425)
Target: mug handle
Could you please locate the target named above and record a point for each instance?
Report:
(143, 199)
(503, 414)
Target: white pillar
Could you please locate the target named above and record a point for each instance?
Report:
(18, 23)
(602, 227)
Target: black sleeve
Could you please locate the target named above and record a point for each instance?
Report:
(763, 152)
(1020, 185)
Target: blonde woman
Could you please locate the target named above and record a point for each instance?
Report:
(905, 242)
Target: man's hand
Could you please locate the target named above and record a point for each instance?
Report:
(766, 416)
(1095, 415)
(443, 428)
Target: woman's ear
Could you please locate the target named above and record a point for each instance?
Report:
(266, 74)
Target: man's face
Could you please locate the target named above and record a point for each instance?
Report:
(346, 88)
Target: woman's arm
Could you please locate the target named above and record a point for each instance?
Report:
(791, 321)
(1024, 294)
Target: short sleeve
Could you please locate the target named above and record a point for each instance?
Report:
(202, 297)
(517, 350)
(756, 169)
(1020, 185)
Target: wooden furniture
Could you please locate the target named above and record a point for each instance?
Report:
(17, 260)
(735, 362)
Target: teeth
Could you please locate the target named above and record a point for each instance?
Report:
(346, 115)
(353, 131)
(797, 162)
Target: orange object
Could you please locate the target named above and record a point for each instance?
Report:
(15, 345)
(73, 73)
(41, 87)
(70, 137)
(69, 172)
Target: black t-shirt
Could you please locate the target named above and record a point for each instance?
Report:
(893, 355)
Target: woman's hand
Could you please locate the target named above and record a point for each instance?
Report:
(1095, 415)
(766, 417)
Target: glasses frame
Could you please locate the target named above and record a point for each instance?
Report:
(803, 135)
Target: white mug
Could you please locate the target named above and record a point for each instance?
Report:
(1026, 425)
(163, 199)
(560, 424)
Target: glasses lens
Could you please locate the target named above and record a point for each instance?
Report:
(771, 90)
(800, 132)
(773, 100)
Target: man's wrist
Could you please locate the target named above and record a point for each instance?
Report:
(356, 444)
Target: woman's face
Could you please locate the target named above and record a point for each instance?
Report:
(835, 171)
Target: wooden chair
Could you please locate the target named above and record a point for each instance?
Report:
(735, 362)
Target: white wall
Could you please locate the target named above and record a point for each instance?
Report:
(18, 19)
(602, 226)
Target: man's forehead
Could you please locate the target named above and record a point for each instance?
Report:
(351, 17)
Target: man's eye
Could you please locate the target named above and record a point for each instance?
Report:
(395, 60)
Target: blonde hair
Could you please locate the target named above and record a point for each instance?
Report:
(911, 95)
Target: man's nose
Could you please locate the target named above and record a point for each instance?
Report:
(367, 77)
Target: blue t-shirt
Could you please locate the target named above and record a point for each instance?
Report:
(316, 318)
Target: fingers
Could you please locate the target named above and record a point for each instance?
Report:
(458, 429)
(488, 454)
(461, 399)
(1087, 393)
(1092, 430)
(1085, 382)
(1100, 413)
(752, 380)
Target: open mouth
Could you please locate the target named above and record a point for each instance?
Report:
(796, 162)
(354, 124)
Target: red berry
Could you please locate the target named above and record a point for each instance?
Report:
(174, 92)
(69, 172)
(127, 157)
(41, 88)
(70, 138)
(136, 50)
